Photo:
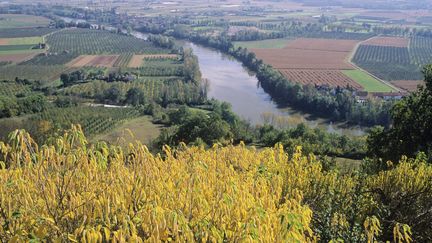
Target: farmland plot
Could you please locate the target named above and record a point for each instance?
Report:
(94, 120)
(22, 21)
(94, 42)
(25, 32)
(388, 41)
(50, 59)
(31, 72)
(393, 63)
(386, 54)
(12, 88)
(93, 61)
(17, 58)
(408, 85)
(330, 78)
(138, 60)
(123, 60)
(304, 59)
(322, 44)
(421, 50)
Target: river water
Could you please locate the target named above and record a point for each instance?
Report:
(230, 81)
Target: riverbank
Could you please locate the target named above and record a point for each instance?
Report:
(232, 82)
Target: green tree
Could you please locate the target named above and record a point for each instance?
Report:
(411, 130)
(135, 97)
(113, 95)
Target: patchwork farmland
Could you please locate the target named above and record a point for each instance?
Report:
(387, 41)
(320, 62)
(394, 58)
(71, 49)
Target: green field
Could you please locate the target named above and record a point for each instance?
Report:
(31, 72)
(16, 47)
(25, 32)
(22, 21)
(369, 83)
(138, 129)
(262, 44)
(24, 40)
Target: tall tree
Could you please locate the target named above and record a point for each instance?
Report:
(411, 130)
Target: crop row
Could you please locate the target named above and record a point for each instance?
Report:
(94, 120)
(50, 59)
(84, 41)
(395, 63)
(10, 89)
(386, 54)
(123, 60)
(24, 32)
(156, 71)
(390, 71)
(421, 50)
(31, 72)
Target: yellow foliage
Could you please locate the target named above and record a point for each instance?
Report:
(73, 192)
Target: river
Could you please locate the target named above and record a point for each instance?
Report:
(230, 81)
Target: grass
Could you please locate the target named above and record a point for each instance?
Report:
(22, 21)
(16, 47)
(262, 44)
(11, 52)
(368, 82)
(138, 129)
(25, 40)
(346, 166)
(31, 72)
(25, 32)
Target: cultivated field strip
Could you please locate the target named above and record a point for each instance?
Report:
(330, 78)
(322, 44)
(394, 58)
(304, 59)
(407, 85)
(94, 61)
(123, 60)
(94, 42)
(388, 41)
(386, 54)
(94, 120)
(138, 60)
(17, 58)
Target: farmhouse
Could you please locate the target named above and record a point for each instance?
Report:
(390, 95)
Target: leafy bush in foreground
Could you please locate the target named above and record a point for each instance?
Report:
(73, 191)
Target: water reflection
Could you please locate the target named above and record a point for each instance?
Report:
(230, 81)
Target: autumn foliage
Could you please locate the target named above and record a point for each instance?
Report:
(77, 192)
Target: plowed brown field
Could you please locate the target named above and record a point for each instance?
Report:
(17, 58)
(313, 61)
(322, 44)
(388, 41)
(331, 78)
(93, 61)
(304, 59)
(408, 85)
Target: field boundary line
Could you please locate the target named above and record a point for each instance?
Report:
(350, 60)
